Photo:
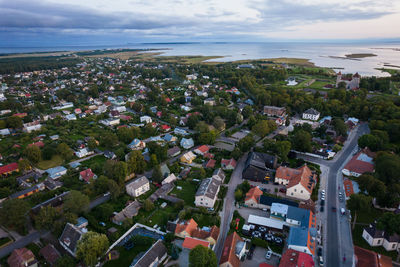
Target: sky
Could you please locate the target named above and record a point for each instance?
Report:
(80, 22)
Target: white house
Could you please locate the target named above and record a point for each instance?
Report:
(373, 236)
(311, 114)
(207, 193)
(32, 126)
(170, 178)
(138, 186)
(146, 119)
(83, 153)
(110, 121)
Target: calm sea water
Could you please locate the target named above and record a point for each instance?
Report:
(322, 54)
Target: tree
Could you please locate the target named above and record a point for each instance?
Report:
(148, 205)
(389, 222)
(283, 149)
(301, 141)
(202, 257)
(23, 165)
(157, 174)
(109, 140)
(13, 213)
(92, 143)
(14, 122)
(33, 153)
(65, 151)
(339, 126)
(136, 162)
(46, 217)
(238, 195)
(76, 202)
(208, 138)
(65, 261)
(92, 246)
(387, 167)
(246, 143)
(358, 202)
(48, 152)
(125, 135)
(261, 128)
(116, 170)
(219, 123)
(114, 189)
(247, 111)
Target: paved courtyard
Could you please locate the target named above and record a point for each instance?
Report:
(259, 257)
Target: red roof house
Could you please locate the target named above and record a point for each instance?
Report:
(210, 163)
(228, 164)
(165, 127)
(39, 144)
(368, 258)
(22, 257)
(9, 168)
(361, 163)
(252, 196)
(294, 258)
(229, 251)
(191, 243)
(87, 175)
(201, 150)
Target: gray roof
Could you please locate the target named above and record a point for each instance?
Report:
(311, 111)
(220, 173)
(208, 187)
(70, 237)
(139, 182)
(173, 151)
(158, 250)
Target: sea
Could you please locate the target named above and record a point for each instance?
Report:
(331, 55)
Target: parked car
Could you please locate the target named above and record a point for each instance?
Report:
(321, 261)
(321, 209)
(278, 240)
(268, 255)
(282, 190)
(256, 234)
(333, 209)
(269, 237)
(319, 251)
(262, 229)
(342, 211)
(251, 251)
(322, 202)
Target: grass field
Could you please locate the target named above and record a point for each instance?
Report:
(100, 159)
(187, 193)
(126, 256)
(56, 160)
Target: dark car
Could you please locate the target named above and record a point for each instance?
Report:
(333, 209)
(321, 209)
(322, 202)
(269, 237)
(282, 190)
(319, 252)
(251, 251)
(278, 240)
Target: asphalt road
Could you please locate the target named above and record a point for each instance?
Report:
(339, 239)
(22, 242)
(228, 208)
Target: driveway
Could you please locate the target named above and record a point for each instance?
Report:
(245, 212)
(259, 257)
(227, 210)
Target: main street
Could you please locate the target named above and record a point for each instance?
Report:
(338, 240)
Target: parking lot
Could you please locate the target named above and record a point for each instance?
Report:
(259, 257)
(261, 232)
(270, 188)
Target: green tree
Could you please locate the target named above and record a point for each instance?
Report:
(283, 149)
(14, 122)
(357, 203)
(207, 138)
(148, 205)
(389, 222)
(247, 111)
(33, 153)
(65, 261)
(23, 165)
(238, 195)
(65, 151)
(46, 217)
(301, 141)
(76, 202)
(92, 144)
(261, 128)
(246, 143)
(114, 189)
(387, 166)
(157, 174)
(109, 140)
(116, 170)
(125, 135)
(136, 162)
(92, 246)
(219, 123)
(13, 213)
(202, 257)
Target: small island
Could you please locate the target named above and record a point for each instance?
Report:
(360, 55)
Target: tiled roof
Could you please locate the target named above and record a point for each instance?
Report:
(50, 254)
(188, 227)
(254, 193)
(8, 168)
(20, 257)
(87, 175)
(191, 243)
(359, 164)
(211, 163)
(293, 258)
(302, 175)
(228, 252)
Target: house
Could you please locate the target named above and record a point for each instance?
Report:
(279, 211)
(311, 114)
(87, 175)
(228, 164)
(50, 254)
(302, 239)
(154, 256)
(70, 237)
(39, 144)
(81, 222)
(165, 127)
(22, 257)
(376, 237)
(146, 119)
(210, 164)
(258, 166)
(9, 169)
(110, 121)
(180, 131)
(169, 179)
(173, 152)
(352, 83)
(299, 182)
(164, 170)
(294, 258)
(252, 196)
(169, 138)
(209, 101)
(138, 186)
(188, 157)
(190, 243)
(233, 251)
(360, 163)
(219, 175)
(26, 192)
(70, 117)
(31, 126)
(272, 111)
(109, 154)
(137, 144)
(187, 143)
(368, 258)
(201, 150)
(84, 152)
(54, 137)
(129, 211)
(5, 132)
(56, 172)
(190, 228)
(207, 193)
(350, 187)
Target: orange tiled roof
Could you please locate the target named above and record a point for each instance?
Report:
(348, 187)
(302, 176)
(191, 243)
(228, 252)
(254, 193)
(189, 227)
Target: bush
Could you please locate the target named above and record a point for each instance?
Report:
(259, 242)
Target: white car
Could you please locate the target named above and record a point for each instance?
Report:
(268, 255)
(323, 192)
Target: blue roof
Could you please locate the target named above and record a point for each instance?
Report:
(81, 221)
(55, 170)
(299, 214)
(168, 137)
(74, 164)
(298, 236)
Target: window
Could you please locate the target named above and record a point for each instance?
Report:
(295, 190)
(292, 194)
(394, 245)
(301, 191)
(379, 241)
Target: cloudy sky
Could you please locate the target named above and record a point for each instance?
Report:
(119, 21)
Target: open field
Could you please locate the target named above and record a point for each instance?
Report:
(56, 160)
(44, 54)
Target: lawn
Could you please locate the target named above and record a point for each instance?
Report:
(187, 193)
(126, 256)
(162, 215)
(97, 160)
(56, 160)
(4, 241)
